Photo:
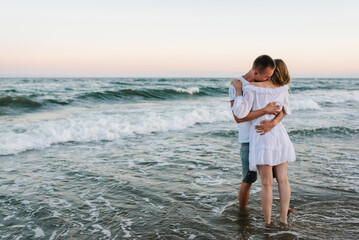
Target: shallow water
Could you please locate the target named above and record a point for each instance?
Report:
(170, 168)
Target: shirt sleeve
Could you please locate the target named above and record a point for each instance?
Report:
(243, 104)
(232, 92)
(286, 103)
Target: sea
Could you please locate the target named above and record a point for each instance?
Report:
(158, 158)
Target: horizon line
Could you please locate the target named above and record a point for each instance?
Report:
(173, 77)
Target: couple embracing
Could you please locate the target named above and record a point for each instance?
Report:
(259, 101)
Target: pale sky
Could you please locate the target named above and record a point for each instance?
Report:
(176, 38)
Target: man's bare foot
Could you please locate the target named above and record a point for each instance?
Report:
(292, 211)
(268, 225)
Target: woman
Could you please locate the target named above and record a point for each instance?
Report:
(273, 149)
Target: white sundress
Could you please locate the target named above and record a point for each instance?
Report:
(274, 147)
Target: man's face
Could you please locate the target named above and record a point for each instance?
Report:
(264, 76)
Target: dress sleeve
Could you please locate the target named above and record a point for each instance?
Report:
(243, 104)
(232, 93)
(286, 103)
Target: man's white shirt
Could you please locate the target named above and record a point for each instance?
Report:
(243, 127)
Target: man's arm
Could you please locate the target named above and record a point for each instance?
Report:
(267, 125)
(271, 108)
(236, 87)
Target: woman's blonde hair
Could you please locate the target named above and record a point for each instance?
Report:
(281, 75)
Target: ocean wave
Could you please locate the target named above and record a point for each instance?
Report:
(18, 100)
(170, 93)
(304, 104)
(326, 130)
(336, 98)
(317, 101)
(104, 126)
(296, 89)
(333, 131)
(191, 90)
(43, 131)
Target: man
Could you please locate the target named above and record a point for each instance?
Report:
(262, 70)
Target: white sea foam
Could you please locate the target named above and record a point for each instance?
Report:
(59, 202)
(304, 104)
(190, 90)
(336, 97)
(127, 225)
(105, 125)
(17, 226)
(107, 203)
(255, 190)
(8, 217)
(39, 233)
(313, 100)
(98, 227)
(208, 180)
(192, 236)
(53, 235)
(65, 233)
(56, 214)
(94, 213)
(278, 234)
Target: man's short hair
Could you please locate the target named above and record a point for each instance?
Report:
(262, 62)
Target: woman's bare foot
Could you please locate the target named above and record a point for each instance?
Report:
(268, 225)
(283, 222)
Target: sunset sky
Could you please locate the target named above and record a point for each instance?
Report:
(187, 38)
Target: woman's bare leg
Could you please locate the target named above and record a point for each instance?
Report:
(284, 190)
(266, 174)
